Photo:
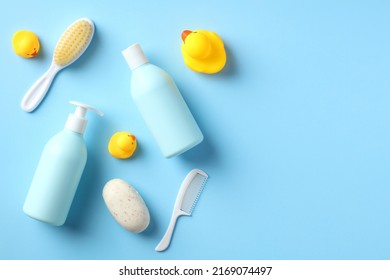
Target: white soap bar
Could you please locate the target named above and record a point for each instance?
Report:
(126, 205)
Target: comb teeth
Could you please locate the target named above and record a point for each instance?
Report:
(193, 193)
(73, 42)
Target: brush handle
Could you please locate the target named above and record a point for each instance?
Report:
(38, 90)
(166, 240)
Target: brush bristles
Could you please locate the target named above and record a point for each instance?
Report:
(73, 42)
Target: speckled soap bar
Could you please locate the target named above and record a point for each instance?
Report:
(126, 205)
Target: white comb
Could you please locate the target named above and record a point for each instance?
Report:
(186, 200)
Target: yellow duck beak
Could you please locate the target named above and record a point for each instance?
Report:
(203, 51)
(184, 34)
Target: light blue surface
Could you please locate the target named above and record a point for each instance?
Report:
(296, 127)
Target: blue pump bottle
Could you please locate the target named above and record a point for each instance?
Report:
(59, 171)
(161, 105)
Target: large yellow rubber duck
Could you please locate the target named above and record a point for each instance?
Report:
(203, 51)
(25, 43)
(122, 144)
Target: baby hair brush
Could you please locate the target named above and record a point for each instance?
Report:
(71, 45)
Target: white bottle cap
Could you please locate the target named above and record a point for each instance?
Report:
(77, 122)
(135, 56)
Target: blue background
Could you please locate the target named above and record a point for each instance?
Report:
(296, 127)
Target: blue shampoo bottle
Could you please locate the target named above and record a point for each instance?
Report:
(59, 171)
(161, 105)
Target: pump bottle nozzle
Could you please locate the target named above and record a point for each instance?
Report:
(77, 122)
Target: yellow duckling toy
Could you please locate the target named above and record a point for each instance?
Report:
(25, 43)
(122, 144)
(203, 51)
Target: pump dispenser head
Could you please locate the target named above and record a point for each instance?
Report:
(77, 122)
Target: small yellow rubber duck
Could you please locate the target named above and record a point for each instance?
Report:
(122, 144)
(203, 51)
(25, 43)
